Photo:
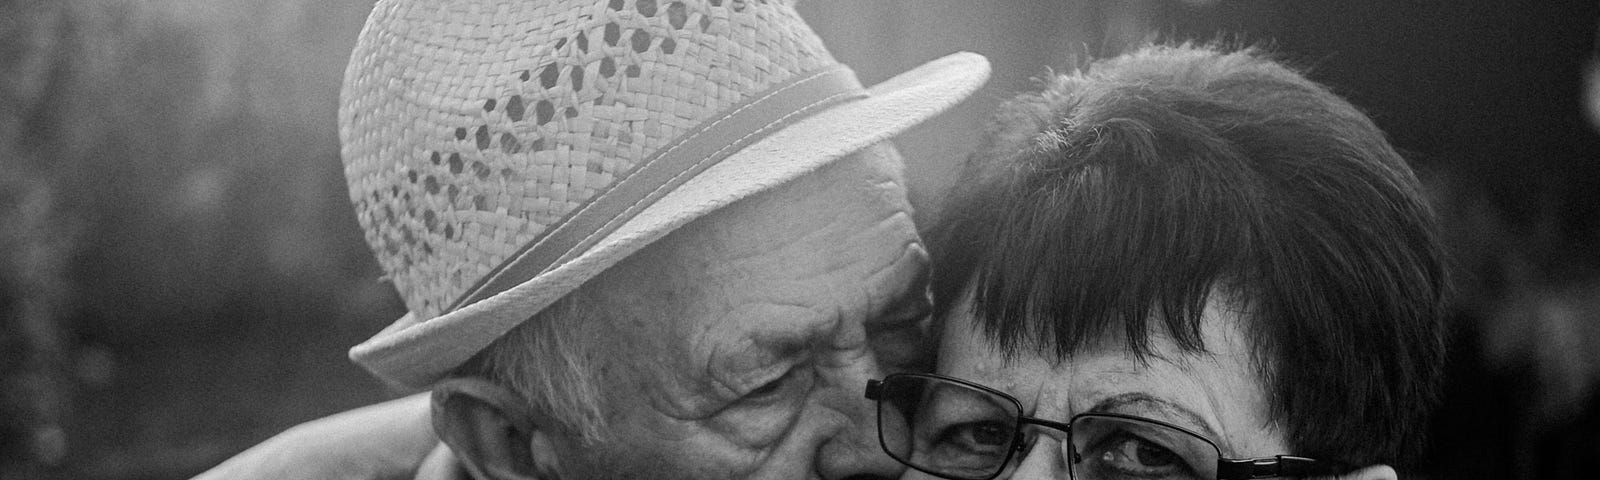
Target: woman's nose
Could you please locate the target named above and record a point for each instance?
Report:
(1042, 460)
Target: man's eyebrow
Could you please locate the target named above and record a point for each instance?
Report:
(1119, 404)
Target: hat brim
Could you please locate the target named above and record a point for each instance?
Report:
(416, 352)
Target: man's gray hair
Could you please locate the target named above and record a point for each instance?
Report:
(548, 360)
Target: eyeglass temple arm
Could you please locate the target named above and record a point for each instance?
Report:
(873, 389)
(1276, 466)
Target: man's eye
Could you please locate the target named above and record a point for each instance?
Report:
(760, 415)
(768, 389)
(778, 387)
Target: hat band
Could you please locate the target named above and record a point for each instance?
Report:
(675, 163)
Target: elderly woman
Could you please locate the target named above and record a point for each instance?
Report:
(1179, 263)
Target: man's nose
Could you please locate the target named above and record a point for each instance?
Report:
(854, 452)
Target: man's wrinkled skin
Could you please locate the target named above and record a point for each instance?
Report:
(736, 347)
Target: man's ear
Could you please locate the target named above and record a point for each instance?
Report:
(492, 431)
(1375, 472)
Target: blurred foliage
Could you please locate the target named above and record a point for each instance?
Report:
(33, 250)
(174, 166)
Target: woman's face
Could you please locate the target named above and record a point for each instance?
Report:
(1214, 393)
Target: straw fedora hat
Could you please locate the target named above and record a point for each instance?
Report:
(500, 153)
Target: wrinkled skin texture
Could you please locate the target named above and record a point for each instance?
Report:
(736, 347)
(739, 345)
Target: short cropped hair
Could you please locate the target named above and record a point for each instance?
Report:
(549, 361)
(1120, 196)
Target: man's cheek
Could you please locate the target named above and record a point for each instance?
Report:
(733, 444)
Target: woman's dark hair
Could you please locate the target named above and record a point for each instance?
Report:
(1123, 195)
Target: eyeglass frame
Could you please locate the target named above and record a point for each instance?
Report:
(1227, 468)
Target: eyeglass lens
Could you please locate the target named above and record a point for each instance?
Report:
(959, 431)
(946, 428)
(1106, 448)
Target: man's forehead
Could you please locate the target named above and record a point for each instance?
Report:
(863, 184)
(764, 279)
(820, 221)
(803, 244)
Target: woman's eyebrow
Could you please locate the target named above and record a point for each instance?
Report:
(1120, 403)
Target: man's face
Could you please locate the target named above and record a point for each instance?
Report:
(743, 341)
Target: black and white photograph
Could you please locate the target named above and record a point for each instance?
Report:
(799, 239)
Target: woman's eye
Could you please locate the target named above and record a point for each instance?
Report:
(1130, 456)
(1146, 454)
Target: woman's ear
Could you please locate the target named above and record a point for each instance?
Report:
(1375, 472)
(492, 432)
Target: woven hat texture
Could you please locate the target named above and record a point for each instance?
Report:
(471, 127)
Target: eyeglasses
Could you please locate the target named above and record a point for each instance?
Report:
(960, 430)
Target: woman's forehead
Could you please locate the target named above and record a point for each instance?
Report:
(1220, 386)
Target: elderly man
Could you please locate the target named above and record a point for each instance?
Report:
(636, 239)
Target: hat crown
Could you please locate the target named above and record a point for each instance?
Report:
(471, 127)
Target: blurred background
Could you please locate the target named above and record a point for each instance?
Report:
(181, 273)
